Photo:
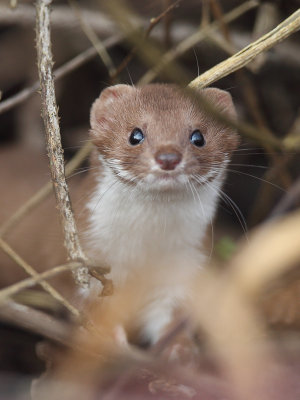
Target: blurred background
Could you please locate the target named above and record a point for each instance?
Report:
(266, 95)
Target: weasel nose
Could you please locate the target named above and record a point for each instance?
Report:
(168, 161)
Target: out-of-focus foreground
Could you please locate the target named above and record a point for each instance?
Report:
(238, 338)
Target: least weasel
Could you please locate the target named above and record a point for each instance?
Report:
(159, 163)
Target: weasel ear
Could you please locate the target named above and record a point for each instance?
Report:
(105, 99)
(222, 100)
(111, 93)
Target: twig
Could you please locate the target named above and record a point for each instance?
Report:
(194, 39)
(153, 23)
(63, 70)
(54, 148)
(167, 24)
(45, 191)
(31, 271)
(37, 278)
(35, 321)
(246, 55)
(92, 36)
(205, 13)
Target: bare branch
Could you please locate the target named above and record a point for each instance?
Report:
(54, 148)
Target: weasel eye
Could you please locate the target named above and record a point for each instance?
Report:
(136, 137)
(197, 138)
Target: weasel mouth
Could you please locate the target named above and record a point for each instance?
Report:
(167, 177)
(165, 181)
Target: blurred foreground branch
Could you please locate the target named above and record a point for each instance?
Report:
(35, 321)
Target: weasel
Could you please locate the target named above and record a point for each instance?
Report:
(158, 165)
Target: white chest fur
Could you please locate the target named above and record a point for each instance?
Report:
(157, 235)
(130, 229)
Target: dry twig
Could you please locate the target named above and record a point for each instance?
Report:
(153, 23)
(37, 278)
(54, 148)
(31, 271)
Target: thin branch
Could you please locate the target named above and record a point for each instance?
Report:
(54, 148)
(246, 55)
(60, 72)
(31, 271)
(45, 191)
(37, 278)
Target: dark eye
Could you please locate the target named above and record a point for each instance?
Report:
(197, 138)
(136, 137)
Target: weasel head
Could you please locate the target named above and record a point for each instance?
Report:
(159, 138)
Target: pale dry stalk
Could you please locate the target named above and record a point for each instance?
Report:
(53, 140)
(246, 55)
